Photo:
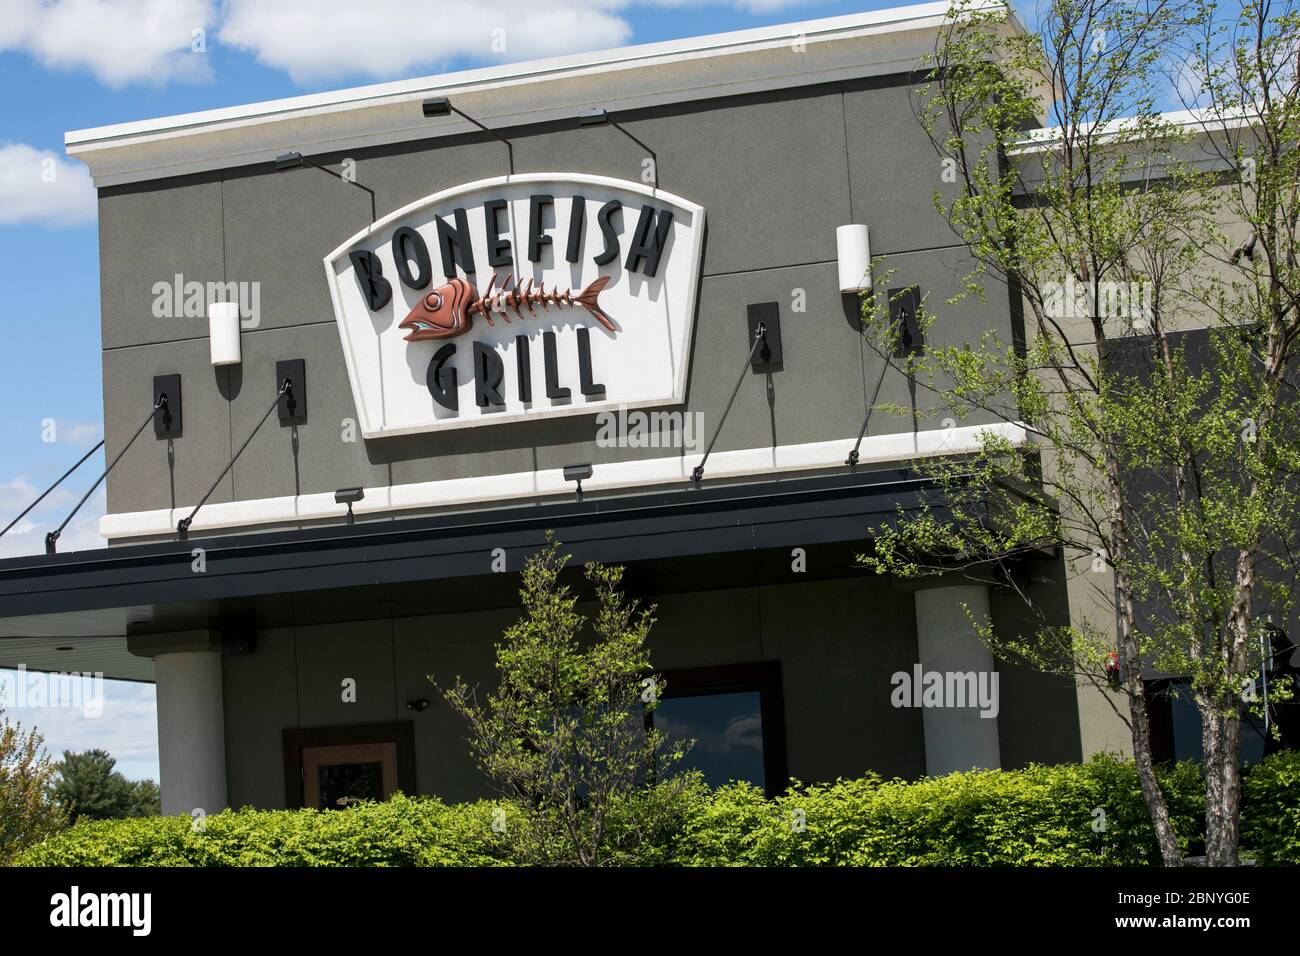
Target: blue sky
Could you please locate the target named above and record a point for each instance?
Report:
(73, 64)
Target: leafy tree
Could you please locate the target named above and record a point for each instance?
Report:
(146, 797)
(88, 787)
(563, 736)
(1166, 479)
(28, 813)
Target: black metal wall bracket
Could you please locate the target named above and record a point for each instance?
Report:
(292, 407)
(904, 317)
(167, 420)
(767, 315)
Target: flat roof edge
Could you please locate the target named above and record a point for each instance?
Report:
(640, 527)
(862, 44)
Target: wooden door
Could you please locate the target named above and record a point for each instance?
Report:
(336, 776)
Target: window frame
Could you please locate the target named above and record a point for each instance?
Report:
(400, 733)
(764, 677)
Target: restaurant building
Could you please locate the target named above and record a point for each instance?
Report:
(405, 330)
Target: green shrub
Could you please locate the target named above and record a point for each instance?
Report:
(720, 830)
(1270, 810)
(648, 828)
(1038, 816)
(400, 832)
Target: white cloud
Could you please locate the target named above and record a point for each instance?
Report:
(745, 6)
(390, 38)
(383, 39)
(40, 187)
(16, 490)
(28, 536)
(119, 41)
(81, 434)
(123, 42)
(127, 728)
(770, 6)
(1190, 82)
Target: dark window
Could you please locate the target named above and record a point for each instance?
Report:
(1176, 725)
(734, 713)
(727, 730)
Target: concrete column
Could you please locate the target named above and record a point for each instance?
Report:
(191, 731)
(957, 738)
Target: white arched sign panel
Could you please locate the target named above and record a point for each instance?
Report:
(518, 298)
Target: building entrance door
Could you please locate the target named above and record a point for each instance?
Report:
(336, 777)
(330, 768)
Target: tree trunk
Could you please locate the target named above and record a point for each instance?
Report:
(1131, 651)
(1223, 776)
(1157, 809)
(1221, 739)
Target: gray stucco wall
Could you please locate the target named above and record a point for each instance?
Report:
(838, 641)
(776, 173)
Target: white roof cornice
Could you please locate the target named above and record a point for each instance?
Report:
(859, 45)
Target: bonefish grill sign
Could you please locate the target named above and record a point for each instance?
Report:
(517, 298)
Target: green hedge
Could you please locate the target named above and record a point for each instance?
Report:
(399, 832)
(1270, 810)
(1039, 816)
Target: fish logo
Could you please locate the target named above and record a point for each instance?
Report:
(449, 310)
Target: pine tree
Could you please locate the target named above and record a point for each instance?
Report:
(89, 787)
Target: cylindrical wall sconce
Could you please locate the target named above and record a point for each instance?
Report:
(223, 332)
(854, 251)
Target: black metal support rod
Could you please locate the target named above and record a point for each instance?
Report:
(52, 539)
(698, 472)
(342, 178)
(852, 460)
(183, 526)
(487, 129)
(28, 509)
(43, 494)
